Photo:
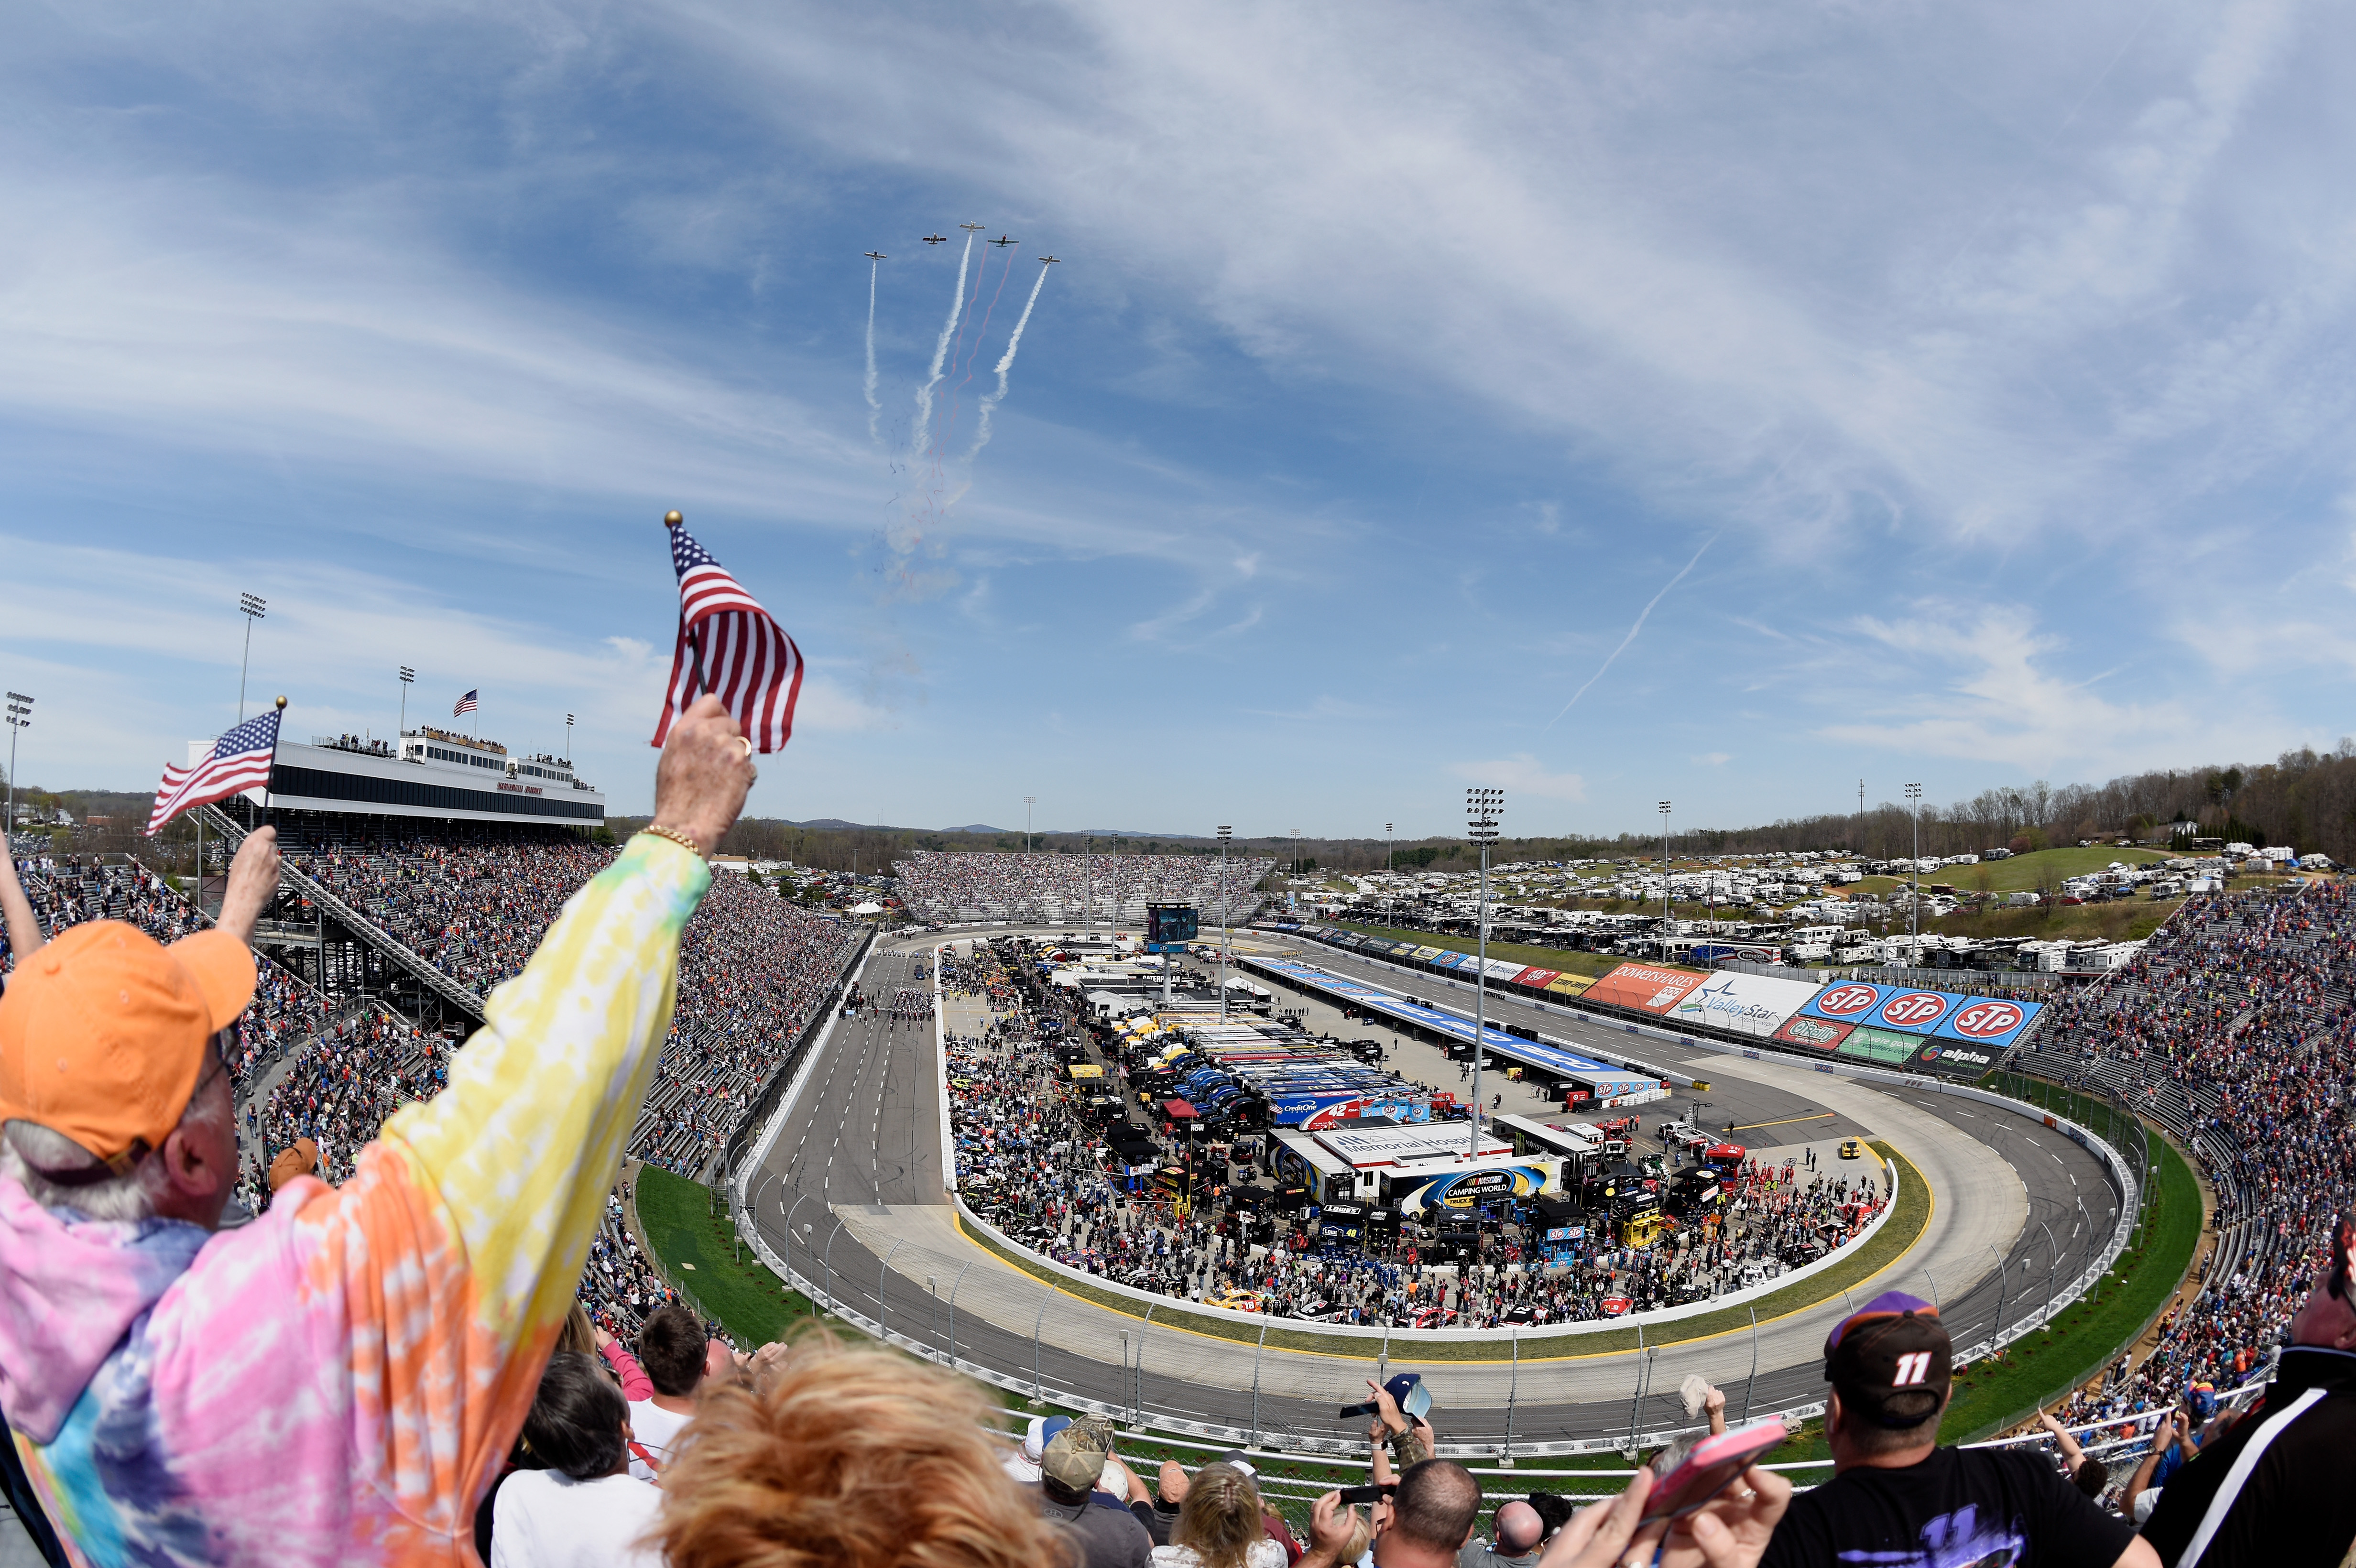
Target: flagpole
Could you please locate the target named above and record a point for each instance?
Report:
(694, 635)
(267, 792)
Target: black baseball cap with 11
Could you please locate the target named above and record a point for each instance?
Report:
(1891, 1360)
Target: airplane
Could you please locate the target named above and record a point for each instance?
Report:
(936, 238)
(970, 227)
(1050, 260)
(877, 256)
(1002, 240)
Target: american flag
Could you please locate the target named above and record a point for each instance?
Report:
(731, 648)
(466, 703)
(240, 760)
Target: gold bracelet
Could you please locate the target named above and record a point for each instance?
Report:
(675, 835)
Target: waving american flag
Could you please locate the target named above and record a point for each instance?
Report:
(240, 759)
(730, 647)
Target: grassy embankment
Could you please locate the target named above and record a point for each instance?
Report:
(697, 1250)
(1510, 952)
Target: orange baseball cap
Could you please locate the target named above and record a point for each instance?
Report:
(103, 1031)
(300, 1158)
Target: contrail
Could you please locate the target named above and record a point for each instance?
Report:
(1630, 637)
(981, 426)
(874, 409)
(922, 433)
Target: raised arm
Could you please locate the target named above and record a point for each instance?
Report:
(25, 937)
(458, 1243)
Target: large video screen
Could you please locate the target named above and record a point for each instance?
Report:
(1167, 923)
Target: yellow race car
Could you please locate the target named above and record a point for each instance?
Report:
(1851, 1148)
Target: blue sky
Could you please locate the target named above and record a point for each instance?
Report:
(1982, 368)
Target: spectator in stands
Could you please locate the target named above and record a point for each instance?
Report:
(2141, 1495)
(1429, 1518)
(426, 1288)
(2274, 1488)
(2088, 1474)
(1221, 1524)
(847, 1456)
(673, 1351)
(1520, 1534)
(1101, 1534)
(1897, 1496)
(572, 1501)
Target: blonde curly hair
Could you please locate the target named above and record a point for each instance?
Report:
(850, 1456)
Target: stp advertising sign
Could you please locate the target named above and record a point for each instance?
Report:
(1859, 1001)
(1991, 1023)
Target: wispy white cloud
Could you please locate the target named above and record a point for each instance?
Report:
(1521, 774)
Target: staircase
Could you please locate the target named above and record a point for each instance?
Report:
(453, 994)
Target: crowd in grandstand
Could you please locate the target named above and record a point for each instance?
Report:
(2234, 1028)
(1050, 888)
(299, 1391)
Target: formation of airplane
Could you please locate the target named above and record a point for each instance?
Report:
(1002, 241)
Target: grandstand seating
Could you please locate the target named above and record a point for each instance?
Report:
(2234, 1029)
(1048, 888)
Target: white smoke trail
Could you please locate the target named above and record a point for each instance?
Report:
(1630, 637)
(981, 426)
(874, 409)
(923, 431)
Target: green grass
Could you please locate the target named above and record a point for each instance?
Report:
(1511, 951)
(698, 1253)
(1901, 1232)
(2041, 1367)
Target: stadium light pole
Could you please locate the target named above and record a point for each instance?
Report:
(1227, 929)
(1915, 904)
(249, 606)
(1390, 872)
(1028, 801)
(1482, 806)
(1665, 925)
(401, 725)
(20, 718)
(567, 739)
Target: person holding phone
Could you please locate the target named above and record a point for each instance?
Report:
(1897, 1496)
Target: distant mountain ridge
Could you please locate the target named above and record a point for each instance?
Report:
(837, 825)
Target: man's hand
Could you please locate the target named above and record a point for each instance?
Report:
(705, 772)
(1386, 1408)
(2045, 1419)
(1732, 1529)
(252, 883)
(1331, 1524)
(1603, 1535)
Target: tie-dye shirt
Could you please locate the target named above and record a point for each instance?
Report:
(339, 1381)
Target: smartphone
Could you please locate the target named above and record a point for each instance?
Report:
(1689, 1472)
(1369, 1494)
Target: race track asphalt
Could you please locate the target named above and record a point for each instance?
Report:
(854, 1163)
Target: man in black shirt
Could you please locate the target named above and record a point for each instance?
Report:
(2274, 1488)
(1898, 1500)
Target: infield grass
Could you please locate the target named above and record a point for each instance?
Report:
(697, 1251)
